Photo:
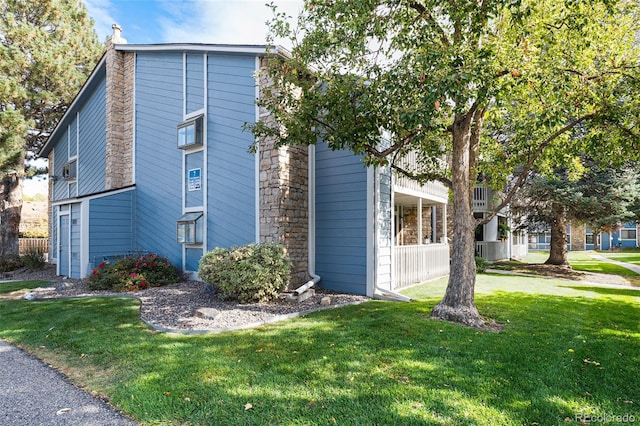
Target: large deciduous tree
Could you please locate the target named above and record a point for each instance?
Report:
(47, 50)
(487, 85)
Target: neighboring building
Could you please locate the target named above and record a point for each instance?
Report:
(495, 240)
(151, 156)
(581, 237)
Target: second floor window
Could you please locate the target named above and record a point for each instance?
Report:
(190, 133)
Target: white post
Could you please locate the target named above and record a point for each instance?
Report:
(444, 223)
(420, 236)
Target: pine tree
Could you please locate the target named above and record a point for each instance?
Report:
(47, 50)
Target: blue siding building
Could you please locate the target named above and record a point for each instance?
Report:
(155, 139)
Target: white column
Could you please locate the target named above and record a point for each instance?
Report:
(434, 224)
(444, 223)
(420, 236)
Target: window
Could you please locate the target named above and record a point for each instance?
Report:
(589, 239)
(189, 228)
(627, 234)
(69, 170)
(190, 133)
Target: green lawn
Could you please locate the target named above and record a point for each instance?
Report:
(567, 349)
(629, 255)
(582, 261)
(11, 286)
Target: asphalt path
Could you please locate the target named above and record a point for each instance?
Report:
(32, 393)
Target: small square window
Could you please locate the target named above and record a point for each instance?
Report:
(628, 234)
(190, 133)
(69, 171)
(189, 228)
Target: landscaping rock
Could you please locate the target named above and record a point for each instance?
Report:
(207, 313)
(325, 301)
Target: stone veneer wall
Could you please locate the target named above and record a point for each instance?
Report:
(119, 117)
(410, 224)
(578, 233)
(284, 205)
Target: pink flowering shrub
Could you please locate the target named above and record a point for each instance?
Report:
(134, 273)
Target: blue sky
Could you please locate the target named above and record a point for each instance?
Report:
(182, 21)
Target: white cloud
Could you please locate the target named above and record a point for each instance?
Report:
(99, 11)
(217, 21)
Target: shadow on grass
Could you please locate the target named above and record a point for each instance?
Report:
(607, 290)
(379, 362)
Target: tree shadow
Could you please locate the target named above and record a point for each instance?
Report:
(606, 290)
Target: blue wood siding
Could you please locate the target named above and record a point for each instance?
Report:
(53, 248)
(111, 230)
(73, 138)
(231, 168)
(92, 144)
(159, 109)
(194, 161)
(60, 158)
(341, 220)
(76, 221)
(89, 148)
(193, 256)
(195, 82)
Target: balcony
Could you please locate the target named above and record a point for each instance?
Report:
(432, 190)
(485, 199)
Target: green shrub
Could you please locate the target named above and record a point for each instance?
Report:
(34, 259)
(11, 263)
(134, 273)
(250, 273)
(481, 264)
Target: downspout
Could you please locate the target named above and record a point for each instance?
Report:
(311, 185)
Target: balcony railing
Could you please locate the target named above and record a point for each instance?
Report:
(404, 184)
(484, 199)
(419, 263)
(492, 250)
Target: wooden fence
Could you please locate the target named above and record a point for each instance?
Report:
(40, 244)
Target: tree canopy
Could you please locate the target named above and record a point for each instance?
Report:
(47, 50)
(601, 197)
(491, 87)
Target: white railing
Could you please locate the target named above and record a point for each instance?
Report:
(419, 263)
(519, 250)
(540, 246)
(409, 162)
(481, 198)
(484, 199)
(492, 250)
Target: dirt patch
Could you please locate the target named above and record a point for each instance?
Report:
(562, 272)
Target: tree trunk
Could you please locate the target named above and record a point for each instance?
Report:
(10, 212)
(558, 249)
(458, 302)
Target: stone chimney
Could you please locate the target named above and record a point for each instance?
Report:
(284, 204)
(119, 113)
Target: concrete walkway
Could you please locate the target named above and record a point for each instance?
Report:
(630, 266)
(32, 393)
